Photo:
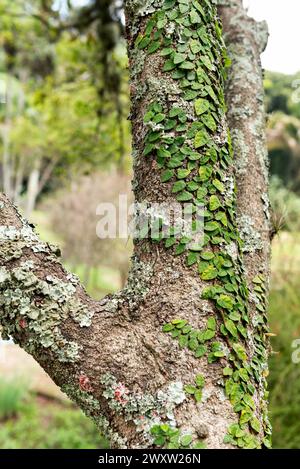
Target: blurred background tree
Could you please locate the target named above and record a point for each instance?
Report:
(65, 147)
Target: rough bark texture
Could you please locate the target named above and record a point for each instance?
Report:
(150, 364)
(246, 39)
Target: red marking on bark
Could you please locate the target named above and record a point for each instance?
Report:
(121, 393)
(22, 323)
(84, 383)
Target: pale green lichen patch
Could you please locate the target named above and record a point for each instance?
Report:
(39, 308)
(144, 7)
(242, 151)
(138, 283)
(251, 237)
(144, 410)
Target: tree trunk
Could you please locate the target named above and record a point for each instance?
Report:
(6, 162)
(32, 190)
(246, 40)
(176, 359)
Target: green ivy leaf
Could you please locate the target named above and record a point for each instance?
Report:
(148, 116)
(249, 401)
(230, 326)
(193, 344)
(148, 149)
(240, 351)
(227, 371)
(198, 395)
(162, 23)
(179, 58)
(205, 172)
(214, 203)
(187, 65)
(219, 185)
(195, 18)
(195, 46)
(178, 186)
(179, 323)
(210, 273)
(159, 118)
(246, 415)
(201, 351)
(168, 327)
(207, 255)
(169, 65)
(225, 301)
(180, 248)
(184, 197)
(183, 341)
(183, 173)
(210, 122)
(221, 216)
(183, 8)
(254, 422)
(211, 226)
(201, 193)
(170, 242)
(200, 381)
(211, 324)
(154, 46)
(190, 95)
(189, 389)
(201, 106)
(167, 175)
(192, 258)
(208, 335)
(144, 42)
(198, 7)
(201, 138)
(166, 51)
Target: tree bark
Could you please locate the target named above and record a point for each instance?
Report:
(175, 359)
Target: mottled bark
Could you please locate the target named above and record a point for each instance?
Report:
(246, 39)
(163, 350)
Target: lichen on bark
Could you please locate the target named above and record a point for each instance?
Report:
(184, 318)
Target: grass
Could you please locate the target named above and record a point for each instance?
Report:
(41, 424)
(101, 281)
(12, 392)
(284, 311)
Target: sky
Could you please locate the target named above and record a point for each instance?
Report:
(283, 18)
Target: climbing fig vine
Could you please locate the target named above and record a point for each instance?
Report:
(178, 358)
(188, 138)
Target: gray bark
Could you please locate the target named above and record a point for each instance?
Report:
(112, 357)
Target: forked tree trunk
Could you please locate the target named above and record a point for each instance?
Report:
(6, 156)
(176, 359)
